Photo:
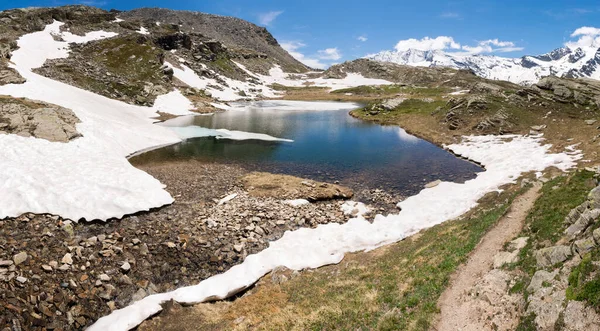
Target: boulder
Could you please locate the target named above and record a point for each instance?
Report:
(583, 221)
(596, 236)
(563, 92)
(552, 255)
(539, 278)
(584, 245)
(594, 197)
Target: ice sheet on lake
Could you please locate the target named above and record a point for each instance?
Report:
(193, 131)
(505, 159)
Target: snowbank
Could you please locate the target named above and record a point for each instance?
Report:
(505, 158)
(88, 177)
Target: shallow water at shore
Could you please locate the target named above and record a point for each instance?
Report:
(328, 145)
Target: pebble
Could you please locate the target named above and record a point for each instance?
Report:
(46, 267)
(126, 266)
(104, 277)
(21, 279)
(67, 259)
(20, 258)
(5, 263)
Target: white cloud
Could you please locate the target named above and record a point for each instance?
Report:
(449, 44)
(292, 48)
(362, 38)
(427, 44)
(588, 37)
(330, 54)
(491, 46)
(268, 17)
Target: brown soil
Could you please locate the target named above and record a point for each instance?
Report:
(461, 311)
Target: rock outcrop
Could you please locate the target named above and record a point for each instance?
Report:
(30, 118)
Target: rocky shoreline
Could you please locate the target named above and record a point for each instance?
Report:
(56, 274)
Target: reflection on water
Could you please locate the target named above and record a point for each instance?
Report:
(327, 145)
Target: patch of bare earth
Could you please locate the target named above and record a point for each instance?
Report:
(478, 296)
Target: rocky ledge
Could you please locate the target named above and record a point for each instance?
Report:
(29, 118)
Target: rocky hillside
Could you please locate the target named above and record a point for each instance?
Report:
(136, 64)
(401, 74)
(562, 62)
(248, 41)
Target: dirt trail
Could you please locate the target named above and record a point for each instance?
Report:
(460, 310)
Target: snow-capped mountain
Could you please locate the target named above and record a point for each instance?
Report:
(563, 62)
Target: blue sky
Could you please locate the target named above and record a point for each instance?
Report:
(326, 31)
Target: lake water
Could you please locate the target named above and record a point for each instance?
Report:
(328, 144)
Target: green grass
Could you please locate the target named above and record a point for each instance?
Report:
(395, 89)
(135, 62)
(396, 291)
(584, 280)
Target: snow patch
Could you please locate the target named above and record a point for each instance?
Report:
(353, 208)
(296, 202)
(88, 177)
(143, 31)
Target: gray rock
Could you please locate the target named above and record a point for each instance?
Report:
(539, 278)
(38, 119)
(579, 317)
(584, 245)
(596, 235)
(583, 221)
(21, 279)
(552, 255)
(590, 122)
(20, 258)
(594, 197)
(5, 263)
(139, 295)
(562, 92)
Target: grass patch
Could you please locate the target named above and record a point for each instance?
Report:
(545, 221)
(409, 106)
(279, 87)
(558, 197)
(584, 280)
(386, 90)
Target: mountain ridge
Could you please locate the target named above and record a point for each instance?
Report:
(564, 62)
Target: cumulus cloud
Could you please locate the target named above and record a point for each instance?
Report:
(588, 37)
(330, 54)
(427, 44)
(362, 38)
(449, 44)
(319, 60)
(268, 17)
(292, 47)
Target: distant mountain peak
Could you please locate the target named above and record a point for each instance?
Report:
(563, 61)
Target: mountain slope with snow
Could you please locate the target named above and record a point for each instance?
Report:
(563, 62)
